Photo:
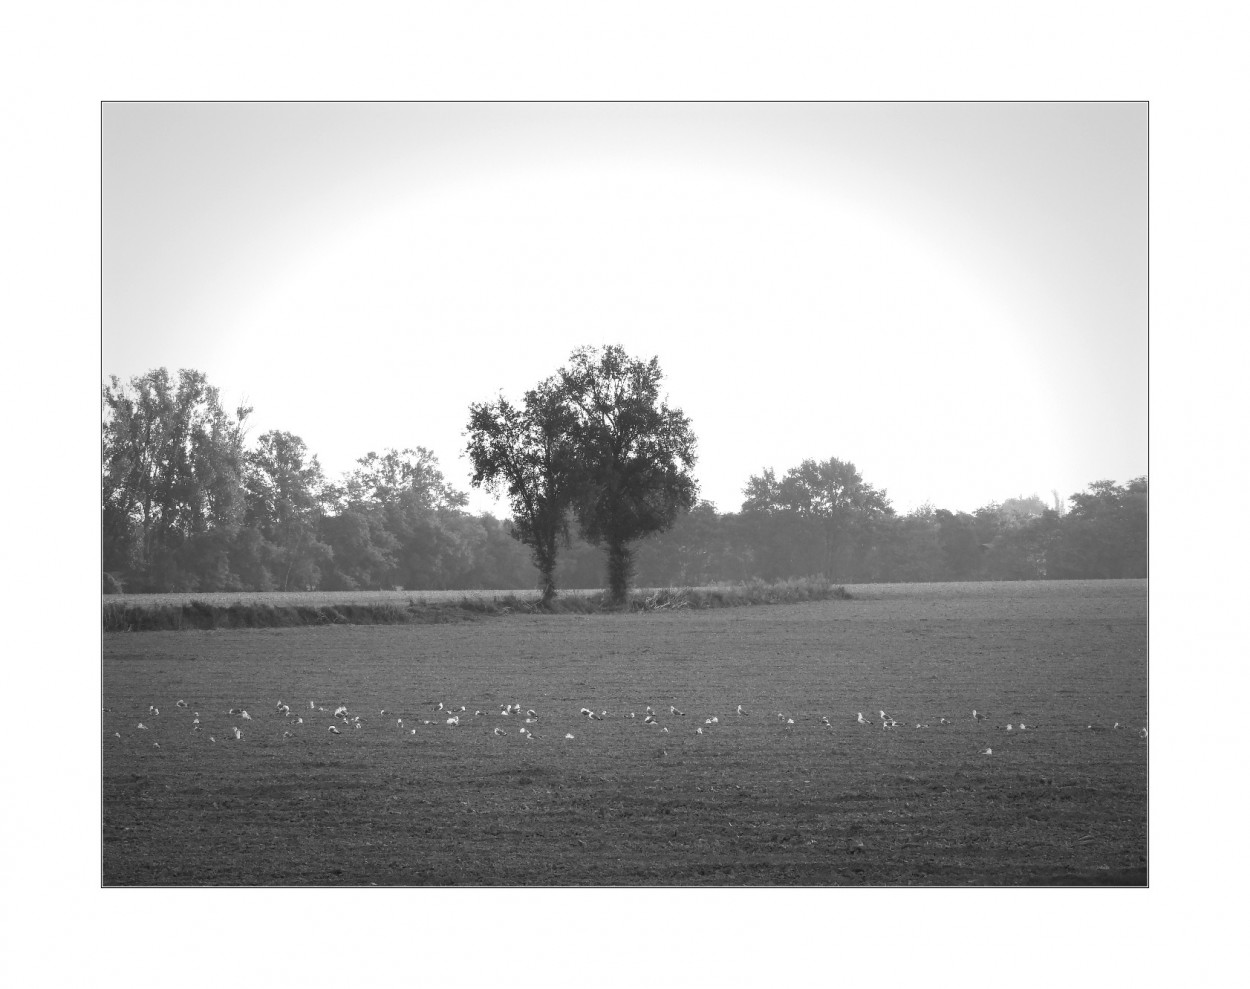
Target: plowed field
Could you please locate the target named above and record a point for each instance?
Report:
(754, 799)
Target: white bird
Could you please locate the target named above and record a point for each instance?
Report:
(673, 710)
(312, 705)
(789, 721)
(1143, 733)
(142, 725)
(211, 738)
(156, 745)
(340, 710)
(299, 721)
(860, 719)
(195, 721)
(1009, 728)
(278, 706)
(1022, 726)
(569, 735)
(649, 719)
(454, 720)
(712, 721)
(233, 710)
(530, 714)
(976, 716)
(531, 721)
(118, 734)
(478, 714)
(1116, 725)
(245, 716)
(740, 711)
(181, 704)
(649, 711)
(400, 722)
(884, 716)
(665, 730)
(357, 725)
(603, 714)
(630, 715)
(498, 731)
(988, 752)
(824, 720)
(918, 725)
(698, 731)
(438, 707)
(595, 717)
(238, 734)
(459, 710)
(943, 721)
(334, 730)
(154, 710)
(414, 731)
(287, 734)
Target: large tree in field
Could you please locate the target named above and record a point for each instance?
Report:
(634, 454)
(526, 451)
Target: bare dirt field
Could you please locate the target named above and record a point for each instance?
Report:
(753, 799)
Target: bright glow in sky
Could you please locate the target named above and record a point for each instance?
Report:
(951, 296)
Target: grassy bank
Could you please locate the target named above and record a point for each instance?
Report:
(138, 613)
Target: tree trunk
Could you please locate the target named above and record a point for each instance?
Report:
(620, 569)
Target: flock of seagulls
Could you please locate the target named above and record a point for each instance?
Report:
(343, 720)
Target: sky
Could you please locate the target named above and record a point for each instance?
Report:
(953, 297)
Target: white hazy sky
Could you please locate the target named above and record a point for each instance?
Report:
(951, 296)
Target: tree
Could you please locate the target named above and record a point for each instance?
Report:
(172, 462)
(285, 492)
(823, 512)
(527, 451)
(634, 454)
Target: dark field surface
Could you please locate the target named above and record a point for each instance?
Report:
(753, 800)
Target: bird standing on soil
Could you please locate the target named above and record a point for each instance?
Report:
(740, 711)
(334, 730)
(976, 716)
(673, 710)
(498, 731)
(860, 719)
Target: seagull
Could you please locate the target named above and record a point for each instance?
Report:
(665, 730)
(603, 714)
(630, 715)
(698, 731)
(531, 721)
(1143, 733)
(478, 714)
(860, 719)
(649, 720)
(211, 738)
(673, 710)
(976, 716)
(181, 704)
(299, 721)
(789, 721)
(312, 705)
(1022, 726)
(245, 716)
(595, 717)
(286, 710)
(238, 734)
(498, 731)
(278, 706)
(1116, 725)
(943, 721)
(712, 721)
(400, 722)
(156, 745)
(740, 711)
(118, 734)
(459, 710)
(454, 720)
(987, 752)
(152, 709)
(530, 714)
(287, 734)
(1009, 728)
(341, 710)
(439, 707)
(334, 730)
(195, 721)
(918, 725)
(569, 735)
(824, 720)
(142, 725)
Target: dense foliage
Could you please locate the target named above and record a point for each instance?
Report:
(189, 505)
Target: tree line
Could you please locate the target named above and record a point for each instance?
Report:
(598, 472)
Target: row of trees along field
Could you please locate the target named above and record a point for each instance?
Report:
(599, 474)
